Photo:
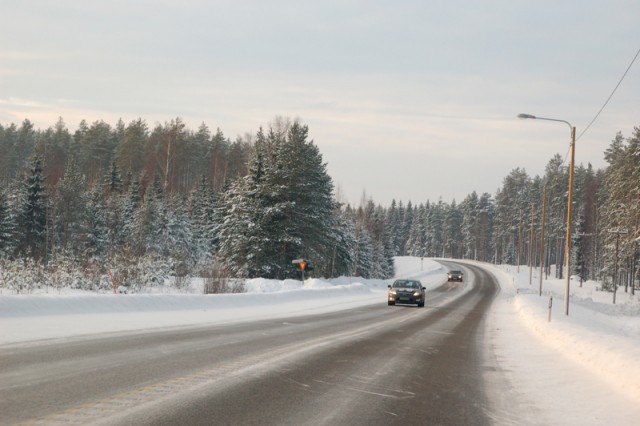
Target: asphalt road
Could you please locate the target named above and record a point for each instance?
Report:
(376, 365)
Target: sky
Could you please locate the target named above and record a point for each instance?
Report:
(409, 100)
(579, 369)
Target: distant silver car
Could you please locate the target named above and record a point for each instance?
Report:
(406, 291)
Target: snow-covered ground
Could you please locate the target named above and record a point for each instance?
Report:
(581, 369)
(54, 313)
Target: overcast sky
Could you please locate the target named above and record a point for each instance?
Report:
(412, 100)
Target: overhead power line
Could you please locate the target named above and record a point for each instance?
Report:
(610, 96)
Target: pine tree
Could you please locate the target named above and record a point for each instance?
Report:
(620, 210)
(416, 244)
(485, 227)
(470, 231)
(33, 219)
(97, 230)
(452, 231)
(237, 229)
(283, 208)
(203, 220)
(372, 217)
(307, 196)
(343, 258)
(23, 149)
(53, 146)
(586, 232)
(128, 232)
(435, 228)
(7, 227)
(556, 177)
(394, 224)
(114, 216)
(175, 239)
(364, 255)
(114, 180)
(129, 153)
(217, 155)
(96, 146)
(407, 220)
(69, 209)
(512, 200)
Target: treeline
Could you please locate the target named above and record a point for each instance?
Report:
(144, 204)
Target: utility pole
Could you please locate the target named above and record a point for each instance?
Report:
(569, 204)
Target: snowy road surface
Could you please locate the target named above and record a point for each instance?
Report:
(370, 365)
(58, 346)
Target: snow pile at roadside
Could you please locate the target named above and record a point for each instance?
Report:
(43, 304)
(62, 313)
(44, 316)
(597, 335)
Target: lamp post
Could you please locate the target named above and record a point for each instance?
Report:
(569, 204)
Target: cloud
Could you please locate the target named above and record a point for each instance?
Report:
(408, 86)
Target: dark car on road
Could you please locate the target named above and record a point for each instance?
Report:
(406, 291)
(455, 275)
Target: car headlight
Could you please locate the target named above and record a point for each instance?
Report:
(392, 293)
(416, 293)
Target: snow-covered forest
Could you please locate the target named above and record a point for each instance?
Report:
(130, 205)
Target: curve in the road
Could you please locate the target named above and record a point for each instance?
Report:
(373, 365)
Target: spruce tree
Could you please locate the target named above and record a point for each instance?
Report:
(393, 224)
(97, 230)
(33, 219)
(364, 263)
(343, 257)
(484, 231)
(127, 233)
(7, 226)
(470, 218)
(203, 220)
(69, 209)
(129, 153)
(283, 210)
(452, 231)
(238, 230)
(114, 180)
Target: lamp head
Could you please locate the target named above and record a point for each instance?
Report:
(525, 116)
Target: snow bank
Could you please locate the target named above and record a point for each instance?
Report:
(65, 312)
(601, 337)
(35, 317)
(47, 305)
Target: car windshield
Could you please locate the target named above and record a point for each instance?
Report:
(456, 272)
(406, 284)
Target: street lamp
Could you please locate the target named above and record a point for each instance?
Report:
(569, 204)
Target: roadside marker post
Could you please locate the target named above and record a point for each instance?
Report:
(302, 265)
